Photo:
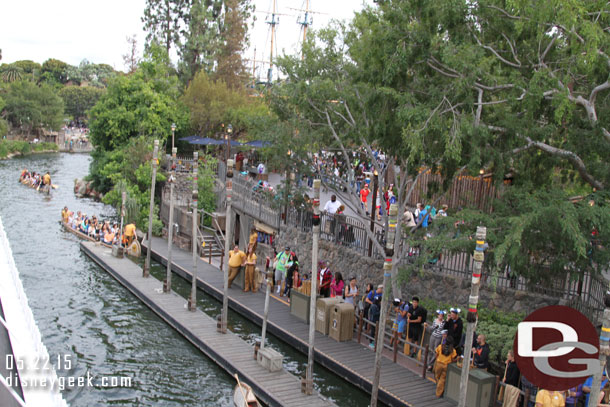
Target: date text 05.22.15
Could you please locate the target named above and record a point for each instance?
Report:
(38, 363)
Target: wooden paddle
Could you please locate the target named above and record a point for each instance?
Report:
(407, 347)
(421, 342)
(241, 388)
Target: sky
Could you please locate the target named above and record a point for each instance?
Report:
(73, 30)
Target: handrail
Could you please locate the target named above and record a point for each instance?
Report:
(13, 393)
(422, 351)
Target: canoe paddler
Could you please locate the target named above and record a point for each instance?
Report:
(130, 233)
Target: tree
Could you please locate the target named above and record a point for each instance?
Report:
(29, 67)
(517, 90)
(233, 35)
(32, 107)
(11, 73)
(54, 71)
(131, 59)
(129, 108)
(214, 40)
(165, 22)
(209, 103)
(79, 99)
(201, 39)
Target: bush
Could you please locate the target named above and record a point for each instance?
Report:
(24, 147)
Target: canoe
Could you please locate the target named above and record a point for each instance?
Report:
(243, 396)
(45, 189)
(133, 250)
(82, 235)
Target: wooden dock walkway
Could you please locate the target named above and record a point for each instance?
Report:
(227, 350)
(350, 360)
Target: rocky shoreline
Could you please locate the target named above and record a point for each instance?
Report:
(84, 189)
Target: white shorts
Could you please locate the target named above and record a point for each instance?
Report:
(279, 275)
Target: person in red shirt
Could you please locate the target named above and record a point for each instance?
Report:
(364, 193)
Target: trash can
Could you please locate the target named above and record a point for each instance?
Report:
(481, 386)
(342, 322)
(299, 305)
(323, 307)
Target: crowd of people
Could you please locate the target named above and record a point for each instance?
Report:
(103, 231)
(34, 179)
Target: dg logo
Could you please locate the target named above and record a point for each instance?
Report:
(556, 348)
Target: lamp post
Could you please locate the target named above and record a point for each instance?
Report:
(192, 304)
(373, 209)
(287, 189)
(228, 233)
(228, 141)
(173, 131)
(146, 269)
(308, 387)
(387, 273)
(123, 199)
(167, 285)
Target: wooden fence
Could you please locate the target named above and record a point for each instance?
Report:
(584, 292)
(465, 191)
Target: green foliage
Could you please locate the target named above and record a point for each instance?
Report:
(23, 147)
(31, 107)
(206, 181)
(30, 68)
(11, 73)
(127, 169)
(79, 99)
(132, 107)
(54, 71)
(542, 235)
(212, 103)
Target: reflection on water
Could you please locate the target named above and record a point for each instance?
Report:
(84, 313)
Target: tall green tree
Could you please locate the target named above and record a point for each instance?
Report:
(79, 99)
(165, 22)
(233, 38)
(54, 71)
(462, 86)
(215, 39)
(31, 107)
(516, 88)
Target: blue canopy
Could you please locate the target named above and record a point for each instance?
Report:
(205, 141)
(188, 138)
(258, 143)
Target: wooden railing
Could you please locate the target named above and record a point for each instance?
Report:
(584, 292)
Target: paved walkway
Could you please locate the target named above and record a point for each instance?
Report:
(349, 360)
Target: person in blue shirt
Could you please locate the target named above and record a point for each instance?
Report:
(424, 216)
(586, 387)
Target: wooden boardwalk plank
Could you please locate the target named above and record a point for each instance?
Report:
(228, 350)
(353, 361)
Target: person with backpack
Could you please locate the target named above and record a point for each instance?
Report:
(374, 312)
(416, 316)
(290, 273)
(445, 354)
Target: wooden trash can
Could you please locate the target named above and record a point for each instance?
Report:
(323, 308)
(342, 322)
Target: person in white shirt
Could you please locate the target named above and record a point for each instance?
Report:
(332, 206)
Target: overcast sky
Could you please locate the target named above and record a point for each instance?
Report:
(73, 30)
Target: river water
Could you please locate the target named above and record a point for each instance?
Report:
(86, 316)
